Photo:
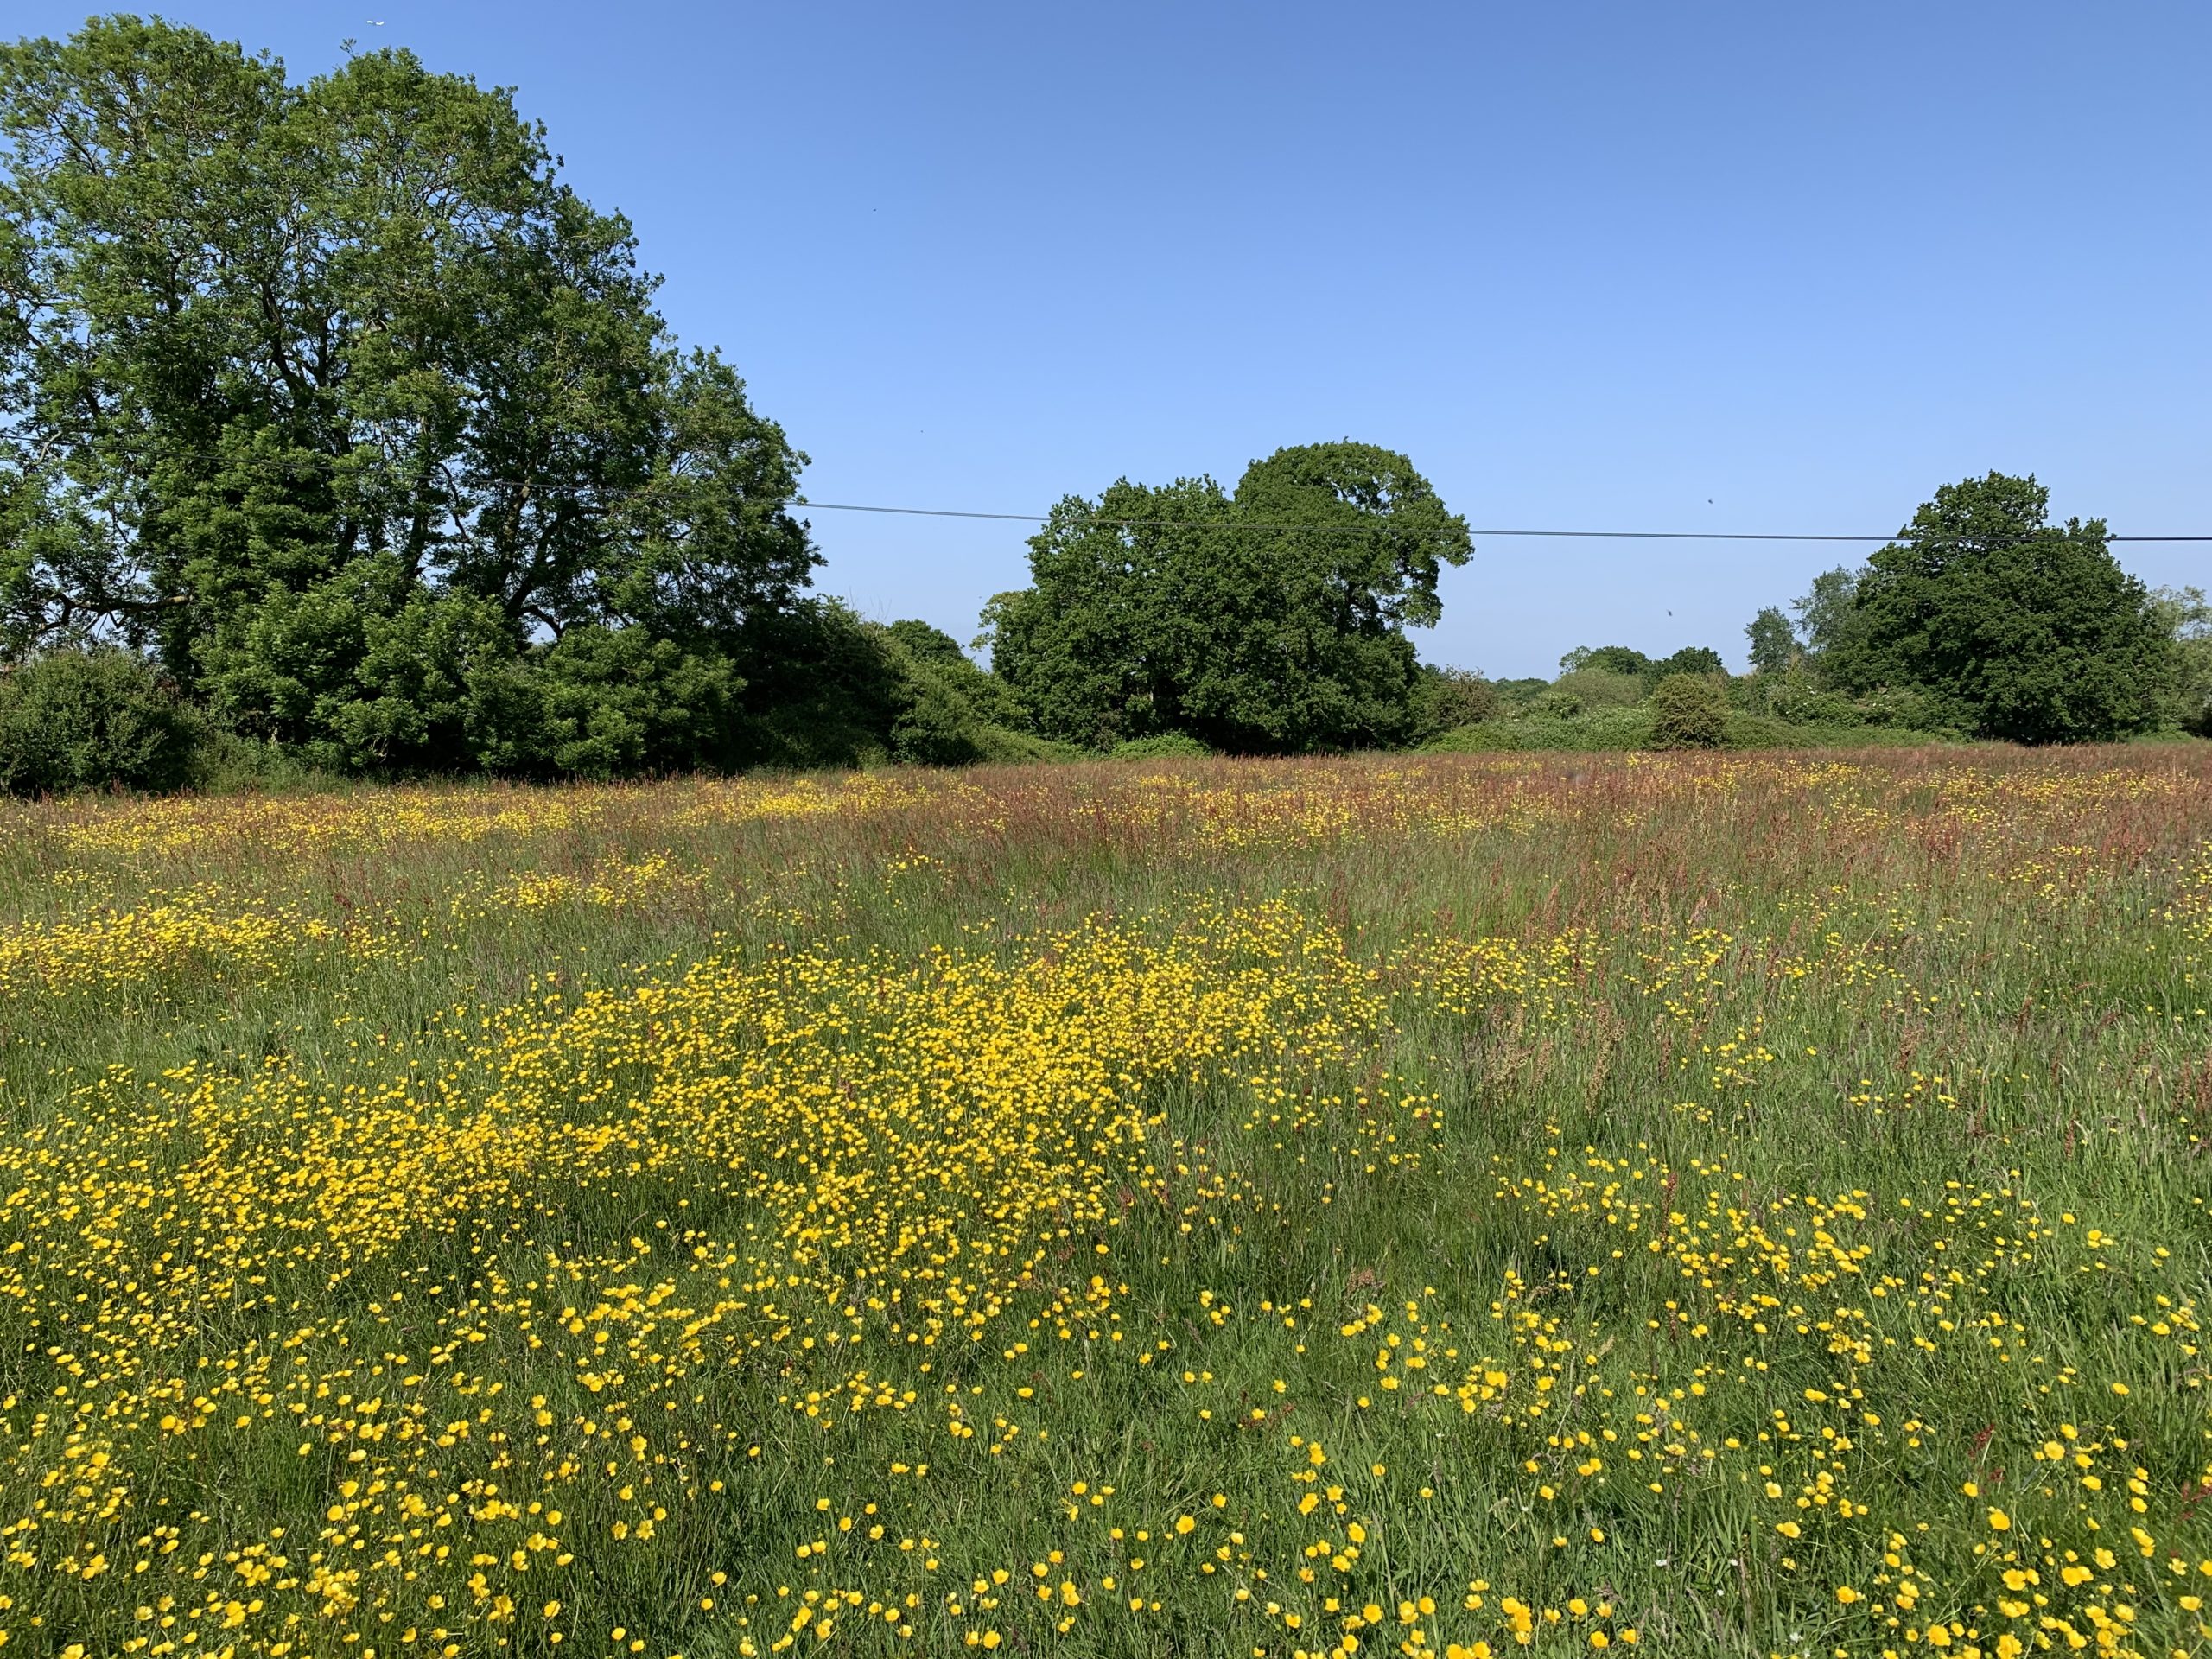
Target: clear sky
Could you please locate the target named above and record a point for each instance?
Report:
(1751, 267)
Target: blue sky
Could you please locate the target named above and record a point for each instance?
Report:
(1702, 267)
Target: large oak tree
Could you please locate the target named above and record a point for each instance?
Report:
(2010, 626)
(333, 396)
(1266, 620)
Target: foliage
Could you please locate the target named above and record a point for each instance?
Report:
(1518, 694)
(1443, 698)
(1624, 663)
(1268, 621)
(1596, 731)
(1799, 696)
(365, 670)
(1009, 746)
(944, 701)
(92, 718)
(1690, 711)
(1756, 731)
(1690, 659)
(1606, 659)
(1839, 723)
(1774, 642)
(1595, 687)
(1166, 746)
(2012, 628)
(335, 396)
(2186, 617)
(605, 702)
(825, 687)
(1828, 616)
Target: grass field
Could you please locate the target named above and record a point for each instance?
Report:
(1464, 1205)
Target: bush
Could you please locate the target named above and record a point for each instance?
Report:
(1690, 711)
(1002, 746)
(944, 703)
(363, 672)
(1167, 745)
(1443, 699)
(2185, 616)
(1902, 707)
(1795, 696)
(95, 718)
(1601, 688)
(1606, 730)
(605, 702)
(1516, 695)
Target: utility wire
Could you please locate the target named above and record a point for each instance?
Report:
(1577, 535)
(555, 489)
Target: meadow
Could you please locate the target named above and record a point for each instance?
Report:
(1455, 1206)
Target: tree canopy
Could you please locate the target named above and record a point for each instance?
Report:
(1266, 620)
(333, 396)
(1773, 641)
(2011, 626)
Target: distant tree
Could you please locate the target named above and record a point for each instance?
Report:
(2010, 626)
(1269, 621)
(1607, 659)
(1625, 661)
(1774, 642)
(1827, 617)
(1518, 694)
(2185, 616)
(1690, 659)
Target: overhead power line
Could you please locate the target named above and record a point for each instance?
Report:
(557, 489)
(1570, 535)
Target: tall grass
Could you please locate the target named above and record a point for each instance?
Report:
(1718, 1204)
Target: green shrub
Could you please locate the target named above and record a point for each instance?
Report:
(1798, 701)
(1901, 706)
(1484, 737)
(1605, 730)
(1443, 699)
(605, 702)
(230, 763)
(365, 671)
(1690, 711)
(1002, 746)
(95, 718)
(1601, 688)
(1747, 731)
(2186, 617)
(1516, 695)
(1167, 745)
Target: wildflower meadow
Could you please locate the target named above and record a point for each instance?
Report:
(1451, 1206)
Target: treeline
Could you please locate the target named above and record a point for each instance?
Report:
(1983, 619)
(336, 432)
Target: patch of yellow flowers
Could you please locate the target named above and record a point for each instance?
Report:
(548, 1325)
